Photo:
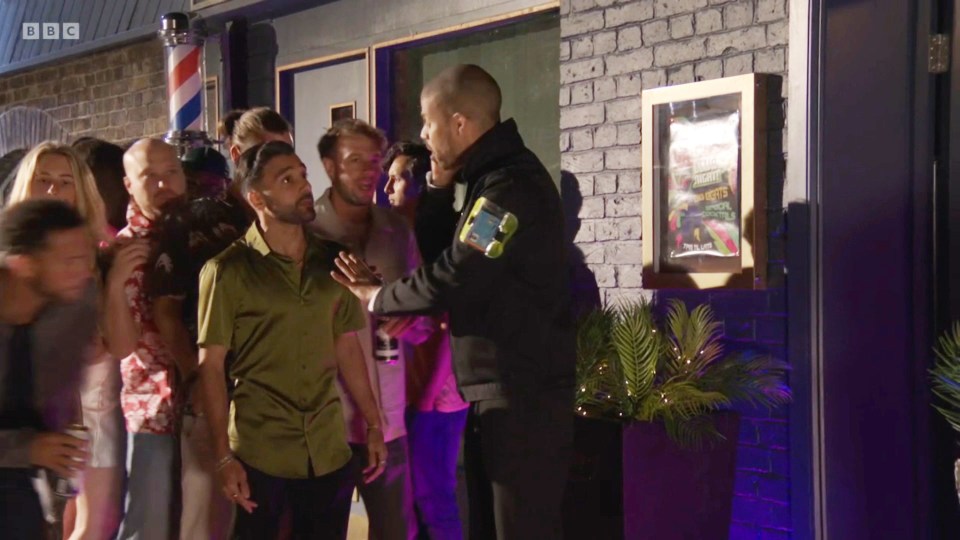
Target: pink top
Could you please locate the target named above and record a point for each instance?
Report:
(422, 370)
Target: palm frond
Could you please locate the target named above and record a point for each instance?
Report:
(638, 349)
(631, 368)
(680, 400)
(599, 387)
(750, 377)
(694, 338)
(593, 338)
(945, 375)
(948, 346)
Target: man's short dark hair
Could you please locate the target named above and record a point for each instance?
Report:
(327, 146)
(418, 154)
(254, 159)
(25, 226)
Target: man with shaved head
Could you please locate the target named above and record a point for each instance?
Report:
(154, 179)
(504, 284)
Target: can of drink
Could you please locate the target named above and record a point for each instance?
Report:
(386, 349)
(70, 487)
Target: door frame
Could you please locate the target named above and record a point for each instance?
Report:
(285, 77)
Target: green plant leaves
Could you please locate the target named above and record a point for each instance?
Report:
(945, 375)
(694, 337)
(638, 349)
(752, 378)
(631, 368)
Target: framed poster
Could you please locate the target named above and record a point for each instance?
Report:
(704, 184)
(342, 111)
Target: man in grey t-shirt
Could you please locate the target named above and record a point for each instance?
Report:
(47, 320)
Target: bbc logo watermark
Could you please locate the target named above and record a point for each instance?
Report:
(69, 30)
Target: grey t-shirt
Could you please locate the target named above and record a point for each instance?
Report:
(60, 340)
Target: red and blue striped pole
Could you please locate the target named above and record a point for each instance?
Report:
(183, 60)
(185, 88)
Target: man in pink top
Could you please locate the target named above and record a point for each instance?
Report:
(436, 414)
(154, 178)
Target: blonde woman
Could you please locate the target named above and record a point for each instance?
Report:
(52, 170)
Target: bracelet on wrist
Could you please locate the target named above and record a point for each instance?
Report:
(372, 427)
(224, 461)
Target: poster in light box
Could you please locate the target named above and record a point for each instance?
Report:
(704, 184)
(700, 181)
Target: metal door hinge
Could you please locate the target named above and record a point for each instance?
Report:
(939, 53)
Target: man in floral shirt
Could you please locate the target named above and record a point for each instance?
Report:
(186, 237)
(154, 178)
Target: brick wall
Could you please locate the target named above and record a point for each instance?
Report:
(118, 95)
(610, 50)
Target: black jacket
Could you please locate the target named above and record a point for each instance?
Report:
(509, 316)
(435, 223)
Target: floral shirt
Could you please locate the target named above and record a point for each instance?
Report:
(148, 374)
(187, 237)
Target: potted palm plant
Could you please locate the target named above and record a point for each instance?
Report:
(669, 387)
(945, 382)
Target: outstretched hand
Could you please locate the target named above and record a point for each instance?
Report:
(356, 276)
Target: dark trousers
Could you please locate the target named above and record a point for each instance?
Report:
(434, 444)
(20, 513)
(319, 506)
(517, 457)
(388, 499)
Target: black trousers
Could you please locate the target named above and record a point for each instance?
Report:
(319, 506)
(517, 458)
(388, 499)
(20, 513)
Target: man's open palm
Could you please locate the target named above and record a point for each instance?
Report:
(358, 277)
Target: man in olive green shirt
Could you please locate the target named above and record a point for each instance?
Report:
(270, 299)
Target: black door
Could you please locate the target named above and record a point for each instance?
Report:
(946, 298)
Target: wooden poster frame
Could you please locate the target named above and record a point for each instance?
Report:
(752, 169)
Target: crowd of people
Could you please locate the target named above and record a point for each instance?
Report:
(245, 353)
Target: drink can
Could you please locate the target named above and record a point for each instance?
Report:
(70, 487)
(386, 349)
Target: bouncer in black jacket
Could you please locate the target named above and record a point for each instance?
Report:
(504, 282)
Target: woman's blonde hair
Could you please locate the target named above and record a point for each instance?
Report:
(89, 203)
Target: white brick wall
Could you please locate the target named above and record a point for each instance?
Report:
(613, 49)
(610, 51)
(630, 13)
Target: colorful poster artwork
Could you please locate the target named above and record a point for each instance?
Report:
(703, 180)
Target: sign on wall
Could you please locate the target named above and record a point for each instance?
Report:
(704, 184)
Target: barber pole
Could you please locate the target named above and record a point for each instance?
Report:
(183, 60)
(184, 88)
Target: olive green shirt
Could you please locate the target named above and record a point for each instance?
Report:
(281, 325)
